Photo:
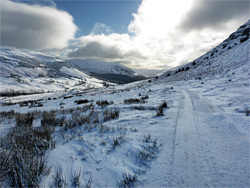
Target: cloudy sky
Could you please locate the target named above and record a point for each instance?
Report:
(139, 33)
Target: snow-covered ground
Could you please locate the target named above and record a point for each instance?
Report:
(202, 139)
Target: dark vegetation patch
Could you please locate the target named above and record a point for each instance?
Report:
(104, 103)
(13, 93)
(82, 101)
(23, 156)
(67, 97)
(159, 110)
(128, 181)
(133, 101)
(110, 114)
(149, 150)
(244, 39)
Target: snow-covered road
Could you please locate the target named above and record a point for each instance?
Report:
(187, 166)
(210, 148)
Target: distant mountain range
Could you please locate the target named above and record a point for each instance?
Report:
(229, 58)
(26, 69)
(112, 71)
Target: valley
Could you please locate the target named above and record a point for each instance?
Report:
(188, 127)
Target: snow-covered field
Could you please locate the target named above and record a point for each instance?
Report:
(202, 140)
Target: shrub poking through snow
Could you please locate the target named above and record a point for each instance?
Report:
(128, 181)
(133, 101)
(149, 150)
(104, 103)
(49, 119)
(92, 118)
(147, 138)
(83, 101)
(76, 178)
(247, 112)
(118, 141)
(159, 110)
(110, 114)
(115, 143)
(25, 156)
(89, 182)
(76, 121)
(144, 97)
(24, 119)
(59, 179)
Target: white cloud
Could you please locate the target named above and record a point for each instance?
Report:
(35, 27)
(101, 28)
(112, 47)
(167, 32)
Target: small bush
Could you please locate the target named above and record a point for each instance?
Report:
(82, 101)
(132, 101)
(89, 182)
(23, 104)
(147, 138)
(92, 118)
(144, 97)
(159, 110)
(76, 178)
(128, 181)
(36, 104)
(24, 119)
(49, 119)
(104, 103)
(9, 114)
(25, 156)
(103, 129)
(59, 179)
(110, 114)
(5, 159)
(75, 121)
(115, 143)
(149, 150)
(247, 112)
(118, 141)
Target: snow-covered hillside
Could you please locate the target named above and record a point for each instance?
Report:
(229, 59)
(112, 71)
(27, 70)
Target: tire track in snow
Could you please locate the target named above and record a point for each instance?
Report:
(204, 148)
(187, 167)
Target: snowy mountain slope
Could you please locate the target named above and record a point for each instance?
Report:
(227, 59)
(112, 71)
(27, 70)
(20, 61)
